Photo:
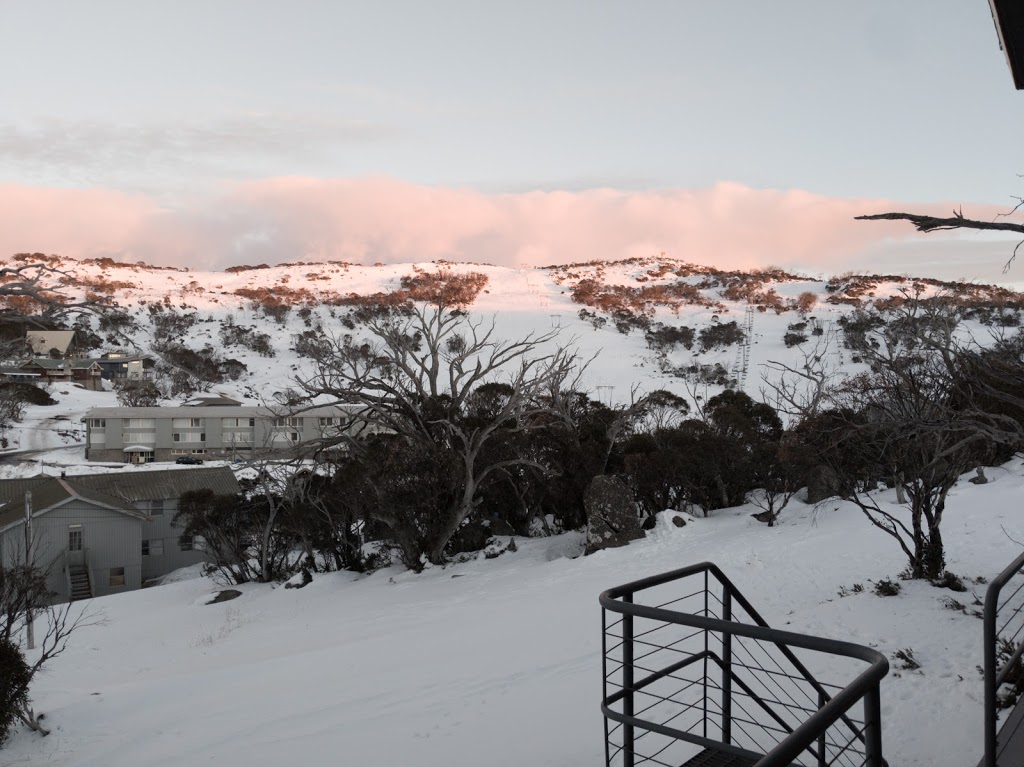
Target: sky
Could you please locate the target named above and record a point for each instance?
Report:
(207, 134)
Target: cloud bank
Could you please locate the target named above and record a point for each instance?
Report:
(367, 220)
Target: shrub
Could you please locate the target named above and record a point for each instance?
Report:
(723, 334)
(907, 660)
(794, 339)
(888, 588)
(950, 581)
(133, 393)
(15, 675)
(30, 394)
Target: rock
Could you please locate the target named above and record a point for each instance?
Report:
(612, 518)
(678, 521)
(225, 596)
(979, 478)
(823, 483)
(299, 580)
(475, 534)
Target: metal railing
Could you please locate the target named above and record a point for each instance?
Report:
(693, 667)
(1004, 645)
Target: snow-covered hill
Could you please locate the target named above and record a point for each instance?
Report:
(612, 312)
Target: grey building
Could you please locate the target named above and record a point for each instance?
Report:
(147, 434)
(103, 533)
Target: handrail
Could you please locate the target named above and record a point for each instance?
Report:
(67, 572)
(993, 676)
(831, 708)
(88, 571)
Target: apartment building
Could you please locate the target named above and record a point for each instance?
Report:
(153, 434)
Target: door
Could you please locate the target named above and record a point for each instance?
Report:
(76, 546)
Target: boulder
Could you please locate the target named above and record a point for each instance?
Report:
(822, 483)
(979, 477)
(612, 517)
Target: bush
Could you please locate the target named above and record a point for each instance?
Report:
(724, 334)
(29, 394)
(135, 393)
(15, 676)
(794, 339)
(950, 581)
(888, 588)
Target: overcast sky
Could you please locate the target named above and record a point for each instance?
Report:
(215, 132)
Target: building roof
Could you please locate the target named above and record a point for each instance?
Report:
(217, 411)
(51, 364)
(6, 370)
(123, 360)
(116, 491)
(1008, 16)
(212, 402)
(41, 341)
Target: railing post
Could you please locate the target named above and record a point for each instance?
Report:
(707, 647)
(726, 669)
(873, 727)
(989, 637)
(604, 683)
(627, 682)
(822, 744)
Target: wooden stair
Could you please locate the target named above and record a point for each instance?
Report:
(80, 587)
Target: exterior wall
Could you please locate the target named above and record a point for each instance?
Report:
(109, 539)
(160, 528)
(221, 441)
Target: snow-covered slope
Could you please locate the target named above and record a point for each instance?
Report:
(598, 308)
(497, 662)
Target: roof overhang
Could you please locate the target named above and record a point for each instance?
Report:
(139, 449)
(1008, 16)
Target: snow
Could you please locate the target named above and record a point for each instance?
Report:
(492, 662)
(497, 661)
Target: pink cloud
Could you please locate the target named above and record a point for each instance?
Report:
(382, 219)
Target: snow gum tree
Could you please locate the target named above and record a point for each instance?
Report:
(428, 390)
(920, 417)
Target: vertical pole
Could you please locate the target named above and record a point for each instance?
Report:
(989, 635)
(873, 728)
(726, 669)
(604, 683)
(627, 682)
(30, 628)
(822, 753)
(707, 639)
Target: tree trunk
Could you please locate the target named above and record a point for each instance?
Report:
(934, 555)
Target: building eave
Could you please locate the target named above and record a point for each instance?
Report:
(1008, 16)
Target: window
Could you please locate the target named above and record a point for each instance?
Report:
(187, 423)
(292, 421)
(156, 507)
(116, 576)
(179, 451)
(330, 421)
(186, 544)
(232, 423)
(153, 547)
(198, 451)
(75, 538)
(186, 437)
(139, 423)
(98, 423)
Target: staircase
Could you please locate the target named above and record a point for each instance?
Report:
(80, 586)
(694, 677)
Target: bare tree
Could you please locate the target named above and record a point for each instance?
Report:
(415, 377)
(917, 421)
(800, 389)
